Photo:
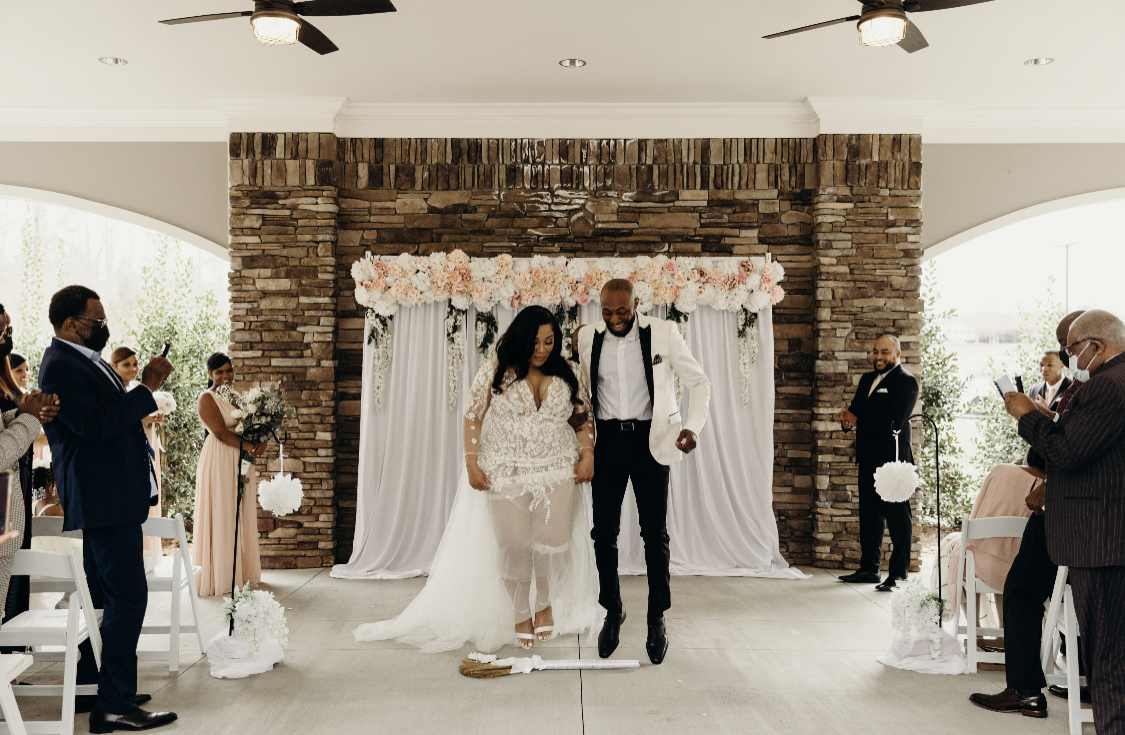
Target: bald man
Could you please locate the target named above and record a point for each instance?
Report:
(884, 400)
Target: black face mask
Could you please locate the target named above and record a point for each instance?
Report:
(6, 346)
(98, 339)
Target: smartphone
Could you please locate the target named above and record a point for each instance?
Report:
(1004, 385)
(167, 346)
(1019, 383)
(5, 501)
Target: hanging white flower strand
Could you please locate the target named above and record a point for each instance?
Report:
(455, 353)
(382, 343)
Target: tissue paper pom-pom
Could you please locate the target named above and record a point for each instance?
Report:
(282, 495)
(896, 481)
(165, 402)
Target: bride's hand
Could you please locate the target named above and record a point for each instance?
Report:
(584, 470)
(477, 478)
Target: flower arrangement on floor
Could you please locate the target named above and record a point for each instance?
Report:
(916, 614)
(383, 285)
(260, 635)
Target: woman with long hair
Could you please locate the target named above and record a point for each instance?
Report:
(123, 360)
(216, 491)
(515, 563)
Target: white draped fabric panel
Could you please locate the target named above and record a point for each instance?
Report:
(720, 514)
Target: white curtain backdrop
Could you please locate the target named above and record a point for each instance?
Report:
(720, 514)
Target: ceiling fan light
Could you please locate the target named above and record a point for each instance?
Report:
(883, 27)
(273, 27)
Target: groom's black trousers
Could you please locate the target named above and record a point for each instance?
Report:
(621, 455)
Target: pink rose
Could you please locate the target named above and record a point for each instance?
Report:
(459, 289)
(480, 293)
(777, 293)
(590, 278)
(767, 282)
(651, 271)
(523, 280)
(380, 267)
(676, 291)
(455, 276)
(583, 298)
(466, 274)
(680, 279)
(746, 266)
(670, 266)
(695, 274)
(514, 302)
(498, 281)
(743, 278)
(538, 274)
(379, 284)
(632, 278)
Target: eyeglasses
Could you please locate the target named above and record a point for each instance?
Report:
(1069, 349)
(97, 322)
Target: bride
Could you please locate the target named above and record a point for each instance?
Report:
(516, 560)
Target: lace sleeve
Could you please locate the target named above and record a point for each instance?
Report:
(585, 432)
(480, 396)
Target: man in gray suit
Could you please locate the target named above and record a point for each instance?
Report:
(1085, 453)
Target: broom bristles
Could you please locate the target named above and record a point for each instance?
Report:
(477, 670)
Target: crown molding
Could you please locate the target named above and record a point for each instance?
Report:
(813, 116)
(847, 115)
(1091, 125)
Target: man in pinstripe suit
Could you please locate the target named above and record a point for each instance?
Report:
(1085, 453)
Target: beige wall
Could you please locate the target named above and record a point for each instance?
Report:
(181, 184)
(969, 185)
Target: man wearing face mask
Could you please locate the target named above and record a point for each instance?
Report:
(105, 479)
(1085, 454)
(884, 399)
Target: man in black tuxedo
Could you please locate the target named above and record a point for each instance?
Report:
(884, 400)
(1085, 454)
(106, 483)
(1055, 383)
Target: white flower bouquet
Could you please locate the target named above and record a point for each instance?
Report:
(256, 614)
(916, 614)
(165, 402)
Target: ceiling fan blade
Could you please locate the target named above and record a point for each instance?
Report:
(213, 16)
(921, 6)
(314, 8)
(311, 36)
(825, 24)
(913, 40)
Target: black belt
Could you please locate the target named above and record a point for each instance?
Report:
(630, 425)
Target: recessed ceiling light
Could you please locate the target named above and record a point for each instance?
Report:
(572, 63)
(1041, 61)
(113, 61)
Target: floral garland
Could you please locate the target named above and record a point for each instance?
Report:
(747, 349)
(455, 354)
(681, 284)
(916, 614)
(486, 335)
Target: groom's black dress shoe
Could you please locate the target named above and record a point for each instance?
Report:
(888, 585)
(85, 702)
(611, 633)
(657, 643)
(1010, 701)
(102, 722)
(861, 577)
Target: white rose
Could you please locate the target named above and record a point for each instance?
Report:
(236, 414)
(758, 301)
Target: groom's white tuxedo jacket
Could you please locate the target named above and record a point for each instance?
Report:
(665, 354)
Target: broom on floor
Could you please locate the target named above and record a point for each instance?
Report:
(482, 666)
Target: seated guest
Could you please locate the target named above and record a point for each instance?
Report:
(1054, 384)
(19, 367)
(1027, 586)
(47, 495)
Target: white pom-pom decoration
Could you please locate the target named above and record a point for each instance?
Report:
(896, 481)
(282, 495)
(165, 402)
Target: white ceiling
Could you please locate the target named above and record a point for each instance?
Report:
(487, 52)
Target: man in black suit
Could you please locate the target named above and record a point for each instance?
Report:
(884, 400)
(1048, 393)
(103, 470)
(1085, 454)
(1031, 578)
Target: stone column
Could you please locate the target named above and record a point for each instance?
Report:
(867, 240)
(283, 284)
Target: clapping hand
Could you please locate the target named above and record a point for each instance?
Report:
(847, 419)
(42, 406)
(156, 372)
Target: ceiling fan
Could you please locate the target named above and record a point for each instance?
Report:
(277, 21)
(884, 22)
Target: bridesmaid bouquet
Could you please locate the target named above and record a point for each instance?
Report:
(261, 412)
(165, 402)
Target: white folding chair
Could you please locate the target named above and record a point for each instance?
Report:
(11, 666)
(1053, 631)
(175, 575)
(973, 529)
(47, 526)
(67, 628)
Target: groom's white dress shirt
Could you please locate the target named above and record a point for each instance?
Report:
(622, 388)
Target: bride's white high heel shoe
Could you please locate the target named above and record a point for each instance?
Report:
(545, 629)
(526, 640)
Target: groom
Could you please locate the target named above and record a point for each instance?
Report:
(629, 360)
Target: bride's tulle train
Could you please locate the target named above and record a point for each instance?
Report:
(466, 600)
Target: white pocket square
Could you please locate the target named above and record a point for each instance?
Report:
(881, 390)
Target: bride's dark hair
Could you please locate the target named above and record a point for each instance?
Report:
(517, 345)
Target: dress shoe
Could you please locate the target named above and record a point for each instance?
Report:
(1063, 693)
(85, 702)
(861, 577)
(657, 643)
(1010, 700)
(611, 633)
(102, 722)
(889, 584)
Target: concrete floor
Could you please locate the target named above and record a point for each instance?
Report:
(747, 655)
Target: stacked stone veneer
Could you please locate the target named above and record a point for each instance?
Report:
(304, 207)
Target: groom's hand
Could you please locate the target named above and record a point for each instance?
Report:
(686, 441)
(578, 419)
(156, 372)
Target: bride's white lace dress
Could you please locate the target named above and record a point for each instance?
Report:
(510, 551)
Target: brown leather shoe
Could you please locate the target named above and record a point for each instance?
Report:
(1010, 701)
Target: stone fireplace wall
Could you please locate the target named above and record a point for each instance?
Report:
(305, 206)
